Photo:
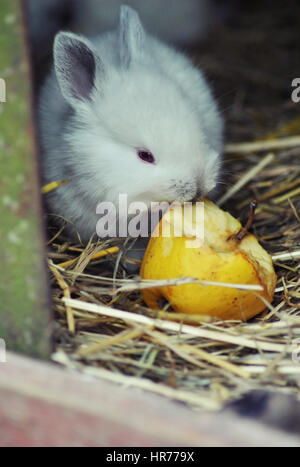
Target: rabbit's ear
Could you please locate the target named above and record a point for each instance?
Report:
(75, 66)
(131, 36)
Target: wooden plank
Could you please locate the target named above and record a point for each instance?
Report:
(24, 313)
(44, 405)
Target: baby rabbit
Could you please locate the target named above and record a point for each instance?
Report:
(123, 113)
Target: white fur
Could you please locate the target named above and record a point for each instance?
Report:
(145, 95)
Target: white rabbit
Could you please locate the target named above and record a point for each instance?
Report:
(125, 113)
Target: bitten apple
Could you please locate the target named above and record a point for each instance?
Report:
(226, 253)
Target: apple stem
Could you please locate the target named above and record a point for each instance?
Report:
(241, 234)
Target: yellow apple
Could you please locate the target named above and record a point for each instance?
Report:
(224, 253)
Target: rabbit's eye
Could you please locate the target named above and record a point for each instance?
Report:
(146, 156)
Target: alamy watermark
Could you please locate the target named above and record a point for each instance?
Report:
(2, 351)
(136, 219)
(2, 90)
(296, 91)
(296, 350)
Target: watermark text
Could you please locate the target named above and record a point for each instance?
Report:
(136, 219)
(2, 90)
(2, 351)
(296, 91)
(296, 350)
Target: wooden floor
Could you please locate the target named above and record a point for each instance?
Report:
(42, 404)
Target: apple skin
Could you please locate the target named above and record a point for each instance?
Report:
(220, 258)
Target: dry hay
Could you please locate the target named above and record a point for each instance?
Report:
(211, 363)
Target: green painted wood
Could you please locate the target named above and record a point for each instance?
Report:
(24, 312)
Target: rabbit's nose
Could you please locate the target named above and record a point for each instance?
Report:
(199, 193)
